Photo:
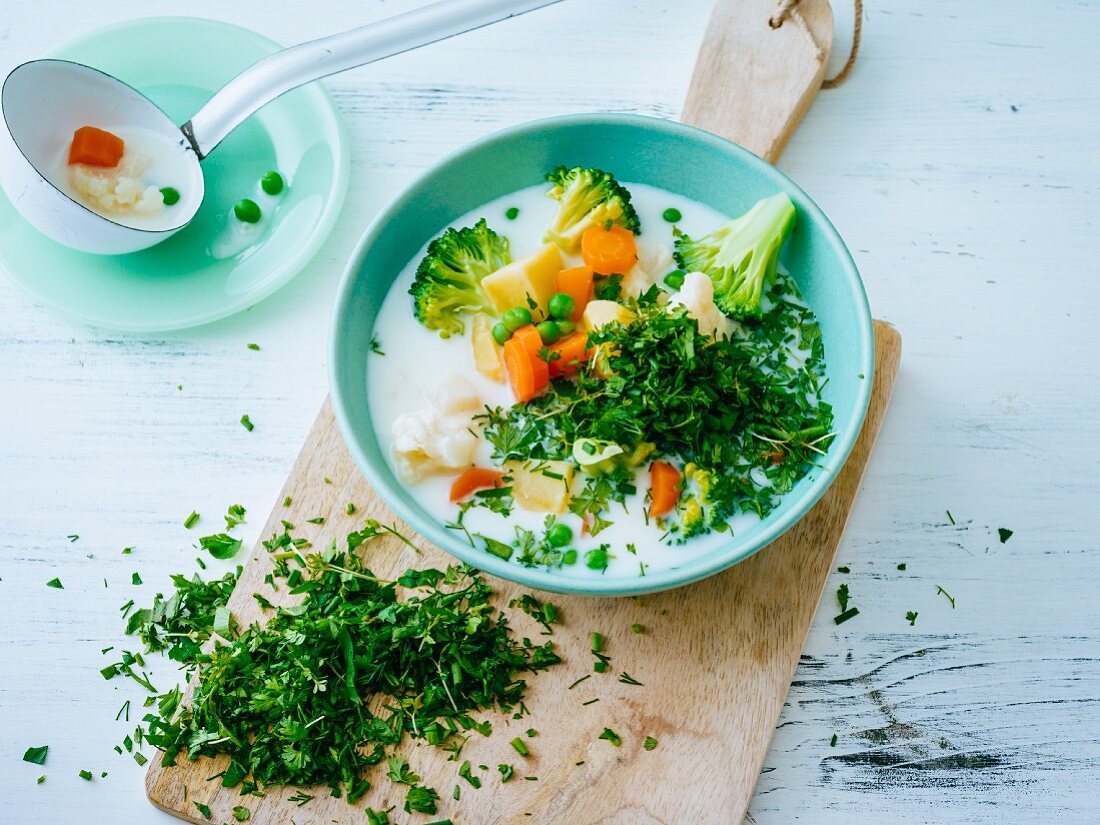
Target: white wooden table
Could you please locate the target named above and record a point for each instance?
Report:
(960, 162)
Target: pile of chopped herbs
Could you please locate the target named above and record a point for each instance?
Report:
(333, 684)
(743, 412)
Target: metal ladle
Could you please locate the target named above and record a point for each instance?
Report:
(44, 101)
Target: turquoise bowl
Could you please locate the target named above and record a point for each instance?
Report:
(639, 149)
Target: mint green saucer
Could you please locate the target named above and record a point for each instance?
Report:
(179, 62)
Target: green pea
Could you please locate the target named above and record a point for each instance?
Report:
(570, 557)
(565, 327)
(247, 210)
(272, 183)
(511, 213)
(170, 195)
(596, 559)
(675, 279)
(561, 305)
(501, 333)
(672, 214)
(549, 332)
(559, 535)
(516, 317)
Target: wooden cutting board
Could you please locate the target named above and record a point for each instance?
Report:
(717, 657)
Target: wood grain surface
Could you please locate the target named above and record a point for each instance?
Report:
(959, 164)
(715, 664)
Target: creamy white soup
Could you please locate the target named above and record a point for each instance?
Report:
(589, 500)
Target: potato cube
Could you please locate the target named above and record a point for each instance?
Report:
(542, 486)
(486, 350)
(532, 276)
(601, 313)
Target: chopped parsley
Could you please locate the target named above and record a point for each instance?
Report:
(241, 813)
(221, 545)
(911, 617)
(55, 583)
(506, 772)
(376, 346)
(254, 347)
(650, 743)
(234, 516)
(135, 579)
(203, 809)
(287, 702)
(1004, 534)
(86, 775)
(246, 422)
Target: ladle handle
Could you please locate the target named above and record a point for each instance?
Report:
(273, 76)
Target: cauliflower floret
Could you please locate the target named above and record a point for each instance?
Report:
(697, 296)
(654, 261)
(438, 437)
(119, 190)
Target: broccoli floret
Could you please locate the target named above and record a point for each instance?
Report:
(741, 255)
(694, 509)
(448, 280)
(587, 198)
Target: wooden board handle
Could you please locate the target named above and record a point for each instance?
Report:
(754, 79)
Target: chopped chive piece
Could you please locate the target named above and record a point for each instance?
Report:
(85, 775)
(40, 779)
(135, 578)
(253, 347)
(520, 746)
(36, 756)
(950, 517)
(590, 702)
(844, 570)
(55, 583)
(611, 737)
(287, 501)
(911, 617)
(316, 520)
(599, 666)
(532, 733)
(246, 422)
(650, 743)
(349, 508)
(586, 676)
(1004, 533)
(597, 642)
(627, 679)
(832, 742)
(950, 598)
(73, 537)
(901, 566)
(850, 613)
(376, 346)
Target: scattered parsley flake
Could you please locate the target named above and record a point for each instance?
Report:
(203, 809)
(844, 570)
(950, 598)
(135, 578)
(376, 346)
(55, 583)
(506, 772)
(241, 813)
(850, 613)
(37, 755)
(611, 737)
(637, 628)
(254, 347)
(287, 501)
(221, 546)
(902, 566)
(650, 743)
(1004, 534)
(842, 597)
(234, 516)
(832, 742)
(911, 617)
(246, 422)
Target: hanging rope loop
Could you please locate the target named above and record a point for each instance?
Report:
(788, 9)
